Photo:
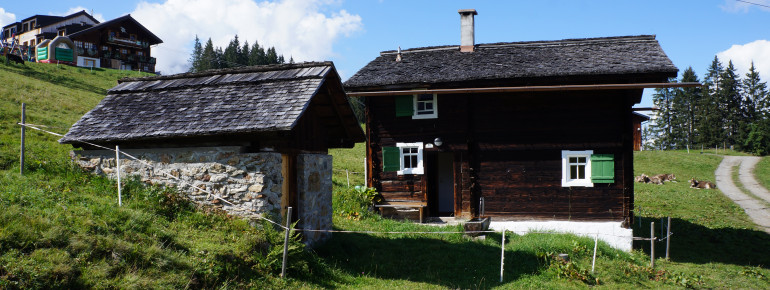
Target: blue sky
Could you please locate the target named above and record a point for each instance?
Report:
(351, 33)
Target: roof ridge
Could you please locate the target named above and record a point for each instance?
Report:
(237, 70)
(568, 41)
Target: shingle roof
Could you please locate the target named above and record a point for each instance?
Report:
(245, 100)
(499, 61)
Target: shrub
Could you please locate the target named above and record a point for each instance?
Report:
(354, 203)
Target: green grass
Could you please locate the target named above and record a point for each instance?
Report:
(762, 172)
(61, 228)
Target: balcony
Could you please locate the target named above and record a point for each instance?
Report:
(127, 42)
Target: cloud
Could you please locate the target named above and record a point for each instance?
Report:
(73, 10)
(735, 6)
(742, 56)
(296, 28)
(6, 17)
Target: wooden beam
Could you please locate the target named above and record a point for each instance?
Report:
(526, 89)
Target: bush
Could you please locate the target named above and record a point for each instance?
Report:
(355, 203)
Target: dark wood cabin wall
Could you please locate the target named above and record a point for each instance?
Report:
(309, 134)
(519, 153)
(512, 144)
(385, 130)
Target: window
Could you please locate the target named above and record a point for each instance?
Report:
(405, 158)
(576, 168)
(421, 106)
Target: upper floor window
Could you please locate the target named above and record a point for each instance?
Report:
(420, 106)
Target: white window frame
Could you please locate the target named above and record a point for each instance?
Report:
(566, 181)
(415, 112)
(420, 169)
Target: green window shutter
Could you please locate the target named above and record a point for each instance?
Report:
(404, 106)
(391, 159)
(603, 168)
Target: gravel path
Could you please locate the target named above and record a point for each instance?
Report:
(756, 209)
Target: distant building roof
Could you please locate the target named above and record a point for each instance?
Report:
(152, 37)
(232, 101)
(628, 55)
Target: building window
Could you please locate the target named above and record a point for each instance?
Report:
(576, 168)
(421, 106)
(61, 32)
(405, 158)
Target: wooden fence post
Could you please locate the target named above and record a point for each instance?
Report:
(117, 170)
(23, 127)
(286, 242)
(652, 245)
(668, 237)
(502, 256)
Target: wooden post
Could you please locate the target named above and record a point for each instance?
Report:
(117, 170)
(286, 242)
(502, 256)
(596, 244)
(23, 130)
(652, 245)
(347, 175)
(668, 237)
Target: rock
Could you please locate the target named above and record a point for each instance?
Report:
(217, 168)
(256, 188)
(218, 178)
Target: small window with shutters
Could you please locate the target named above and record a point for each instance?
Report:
(576, 168)
(405, 158)
(420, 106)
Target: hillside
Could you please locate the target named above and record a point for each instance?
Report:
(61, 227)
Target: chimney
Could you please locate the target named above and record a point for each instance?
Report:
(467, 40)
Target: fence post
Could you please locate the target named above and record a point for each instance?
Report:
(652, 245)
(23, 127)
(286, 242)
(502, 256)
(117, 170)
(668, 237)
(596, 244)
(347, 175)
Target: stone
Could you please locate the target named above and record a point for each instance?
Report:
(174, 173)
(218, 178)
(165, 158)
(256, 188)
(108, 170)
(314, 182)
(233, 161)
(217, 168)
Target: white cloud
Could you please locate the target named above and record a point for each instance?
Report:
(73, 10)
(744, 6)
(6, 17)
(742, 56)
(297, 28)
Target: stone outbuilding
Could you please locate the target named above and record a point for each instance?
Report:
(256, 139)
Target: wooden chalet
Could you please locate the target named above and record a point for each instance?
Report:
(538, 130)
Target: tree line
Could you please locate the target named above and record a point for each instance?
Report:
(726, 110)
(205, 57)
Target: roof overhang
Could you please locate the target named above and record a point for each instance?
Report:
(520, 89)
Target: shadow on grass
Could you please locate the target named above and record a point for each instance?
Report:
(694, 243)
(470, 264)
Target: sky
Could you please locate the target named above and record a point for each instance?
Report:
(353, 32)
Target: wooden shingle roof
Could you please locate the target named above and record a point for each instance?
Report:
(233, 101)
(628, 55)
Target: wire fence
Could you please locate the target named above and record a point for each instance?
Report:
(664, 237)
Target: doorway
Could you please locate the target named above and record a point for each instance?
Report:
(441, 184)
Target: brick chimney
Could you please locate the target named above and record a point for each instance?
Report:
(467, 40)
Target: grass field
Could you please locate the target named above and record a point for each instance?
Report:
(60, 227)
(762, 172)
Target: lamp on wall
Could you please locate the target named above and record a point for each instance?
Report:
(438, 141)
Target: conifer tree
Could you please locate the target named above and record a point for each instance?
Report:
(662, 127)
(730, 105)
(209, 58)
(197, 54)
(756, 91)
(686, 107)
(710, 123)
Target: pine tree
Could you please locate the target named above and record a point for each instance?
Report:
(257, 55)
(756, 91)
(662, 127)
(730, 105)
(272, 56)
(243, 57)
(208, 60)
(710, 123)
(197, 54)
(231, 56)
(686, 107)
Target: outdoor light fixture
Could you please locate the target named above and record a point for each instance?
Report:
(438, 141)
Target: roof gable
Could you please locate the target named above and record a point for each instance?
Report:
(117, 22)
(513, 60)
(235, 101)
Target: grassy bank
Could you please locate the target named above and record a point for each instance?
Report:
(762, 172)
(61, 228)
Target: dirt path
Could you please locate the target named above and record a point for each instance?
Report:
(756, 209)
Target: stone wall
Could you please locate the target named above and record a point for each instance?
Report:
(314, 187)
(250, 181)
